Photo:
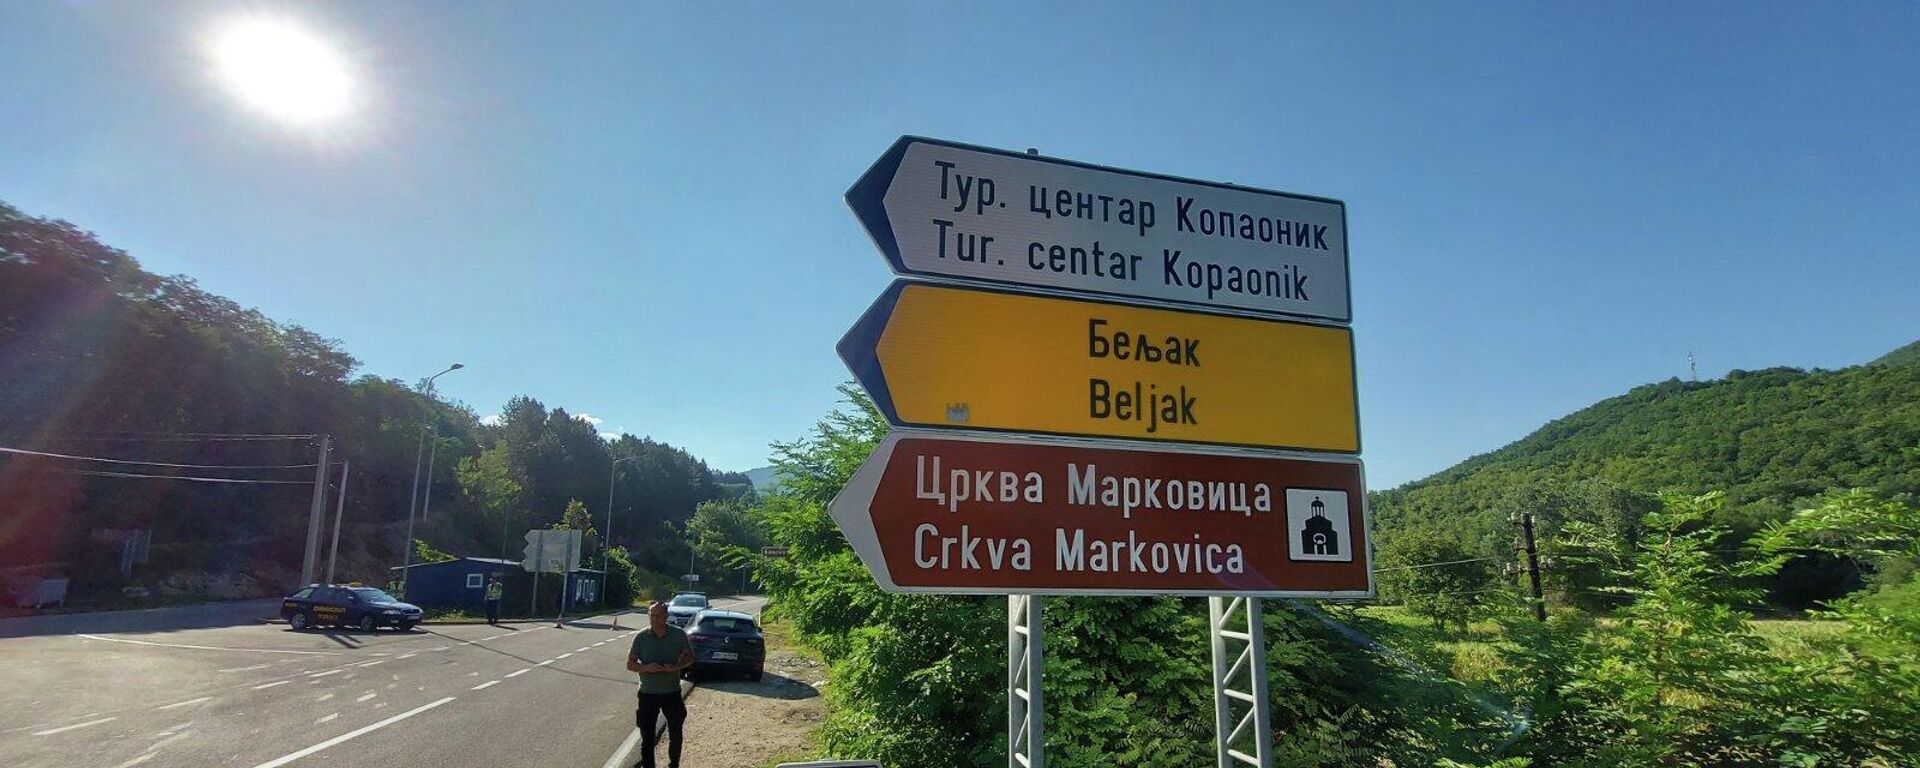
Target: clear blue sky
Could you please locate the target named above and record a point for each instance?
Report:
(634, 210)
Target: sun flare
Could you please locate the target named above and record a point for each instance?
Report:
(283, 71)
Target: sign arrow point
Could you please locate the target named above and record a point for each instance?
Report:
(867, 197)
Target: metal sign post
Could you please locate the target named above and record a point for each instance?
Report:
(1240, 683)
(1026, 708)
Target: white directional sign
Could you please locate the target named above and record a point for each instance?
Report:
(551, 551)
(938, 208)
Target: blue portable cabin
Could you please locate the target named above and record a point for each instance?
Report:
(462, 583)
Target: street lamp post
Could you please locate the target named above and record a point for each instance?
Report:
(606, 538)
(407, 562)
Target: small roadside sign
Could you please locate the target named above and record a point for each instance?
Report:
(943, 209)
(773, 551)
(947, 357)
(551, 551)
(970, 514)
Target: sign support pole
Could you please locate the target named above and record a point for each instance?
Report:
(1026, 709)
(1240, 683)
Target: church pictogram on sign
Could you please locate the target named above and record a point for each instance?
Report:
(1319, 526)
(1317, 536)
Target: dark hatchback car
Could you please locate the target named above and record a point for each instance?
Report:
(345, 606)
(727, 642)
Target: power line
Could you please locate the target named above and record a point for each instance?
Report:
(100, 473)
(25, 452)
(180, 438)
(1434, 565)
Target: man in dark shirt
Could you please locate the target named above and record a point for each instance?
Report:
(658, 654)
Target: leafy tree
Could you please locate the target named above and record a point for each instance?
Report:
(1435, 576)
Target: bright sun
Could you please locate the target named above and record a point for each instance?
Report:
(283, 71)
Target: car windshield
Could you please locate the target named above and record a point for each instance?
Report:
(690, 600)
(371, 595)
(729, 625)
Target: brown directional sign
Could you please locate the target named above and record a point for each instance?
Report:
(959, 513)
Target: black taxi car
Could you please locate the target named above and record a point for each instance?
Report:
(727, 641)
(343, 605)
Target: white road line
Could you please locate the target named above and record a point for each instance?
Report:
(272, 684)
(244, 669)
(485, 639)
(408, 655)
(486, 685)
(136, 761)
(350, 735)
(371, 663)
(370, 695)
(544, 663)
(324, 674)
(327, 719)
(323, 697)
(583, 649)
(209, 647)
(625, 749)
(65, 728)
(519, 673)
(438, 648)
(188, 702)
(561, 656)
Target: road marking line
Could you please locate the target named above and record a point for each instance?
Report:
(519, 673)
(64, 728)
(188, 702)
(371, 663)
(245, 669)
(350, 735)
(370, 694)
(486, 685)
(485, 639)
(208, 647)
(327, 719)
(137, 760)
(544, 663)
(272, 684)
(583, 649)
(323, 697)
(561, 656)
(409, 655)
(438, 648)
(324, 674)
(626, 748)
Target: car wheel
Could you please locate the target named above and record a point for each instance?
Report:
(406, 626)
(758, 672)
(367, 625)
(298, 622)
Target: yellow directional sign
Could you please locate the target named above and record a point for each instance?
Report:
(976, 359)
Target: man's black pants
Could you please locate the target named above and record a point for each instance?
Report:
(646, 718)
(493, 611)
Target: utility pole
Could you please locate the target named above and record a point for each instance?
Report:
(1533, 567)
(606, 537)
(406, 562)
(317, 513)
(339, 511)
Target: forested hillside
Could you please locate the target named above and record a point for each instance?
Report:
(1771, 440)
(99, 358)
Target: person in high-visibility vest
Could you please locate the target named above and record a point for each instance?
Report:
(494, 592)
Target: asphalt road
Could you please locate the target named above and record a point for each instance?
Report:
(263, 696)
